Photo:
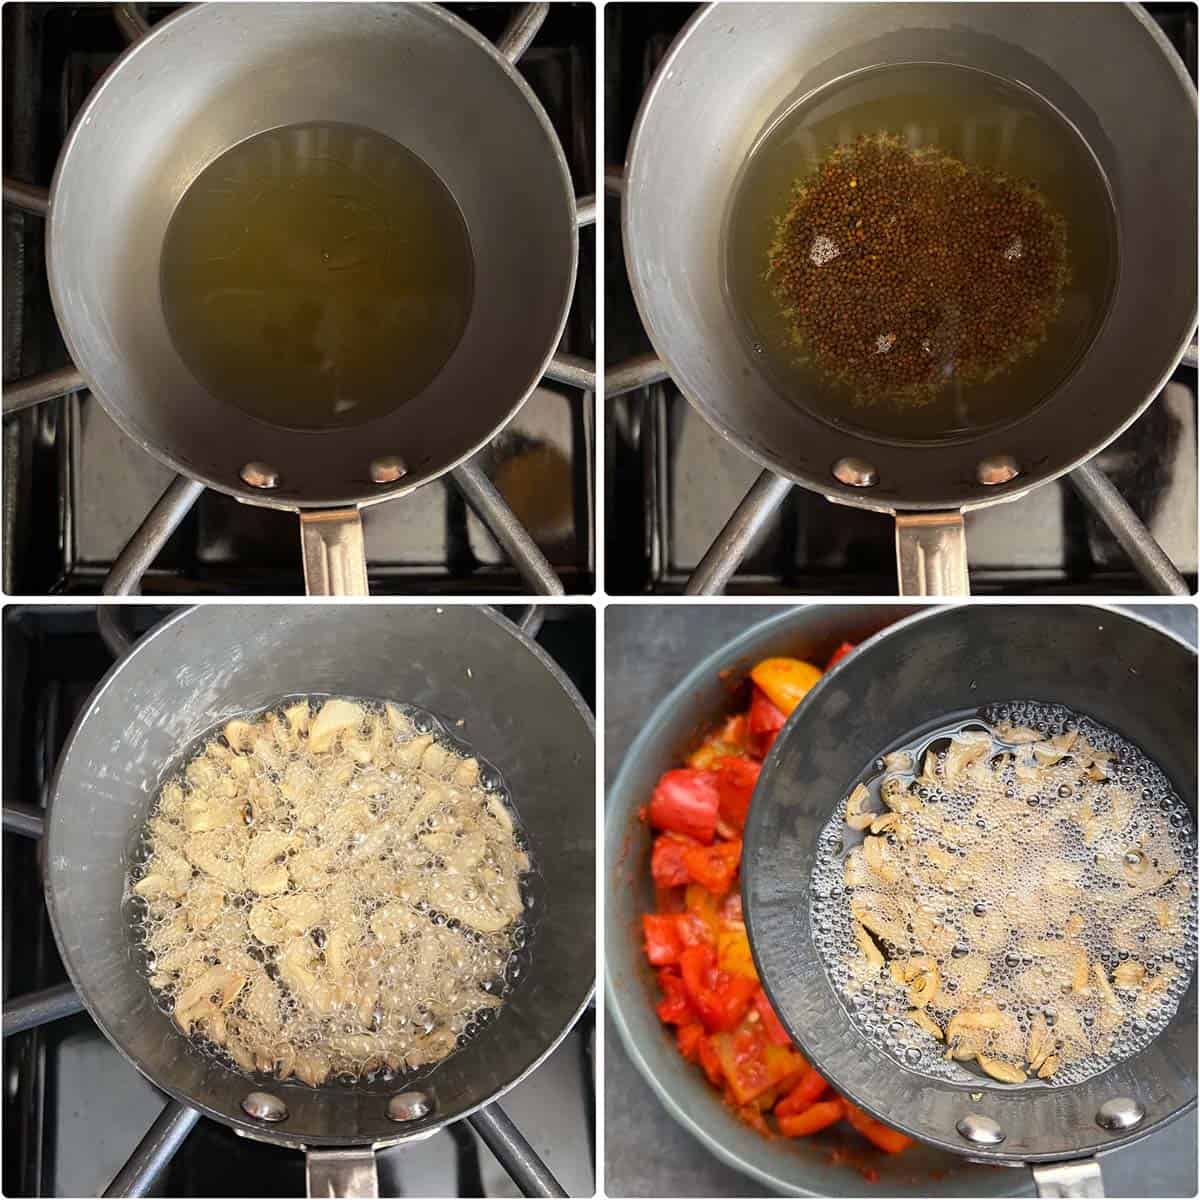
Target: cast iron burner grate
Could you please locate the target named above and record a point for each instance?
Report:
(74, 1109)
(517, 519)
(675, 483)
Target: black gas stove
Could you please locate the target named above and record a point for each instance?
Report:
(74, 1109)
(76, 488)
(674, 482)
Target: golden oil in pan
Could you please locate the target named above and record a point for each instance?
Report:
(317, 275)
(994, 128)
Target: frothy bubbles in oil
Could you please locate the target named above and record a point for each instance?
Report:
(400, 918)
(1020, 156)
(1031, 885)
(316, 276)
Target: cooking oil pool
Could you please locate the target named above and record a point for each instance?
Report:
(971, 126)
(316, 275)
(1032, 892)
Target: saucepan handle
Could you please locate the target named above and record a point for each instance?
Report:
(342, 1172)
(1079, 1178)
(335, 556)
(931, 554)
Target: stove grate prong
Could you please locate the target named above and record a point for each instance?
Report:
(521, 30)
(1098, 493)
(501, 522)
(572, 369)
(152, 535)
(161, 1143)
(40, 1008)
(731, 545)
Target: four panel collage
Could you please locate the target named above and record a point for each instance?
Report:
(599, 599)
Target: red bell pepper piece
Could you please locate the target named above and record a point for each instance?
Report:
(771, 1023)
(804, 1095)
(663, 943)
(714, 867)
(688, 1039)
(686, 801)
(840, 653)
(720, 997)
(731, 909)
(674, 1008)
(890, 1141)
(666, 860)
(736, 778)
(813, 1119)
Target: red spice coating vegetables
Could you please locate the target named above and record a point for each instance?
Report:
(710, 991)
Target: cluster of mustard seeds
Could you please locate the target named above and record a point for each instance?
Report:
(900, 271)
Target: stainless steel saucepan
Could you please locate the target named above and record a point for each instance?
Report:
(461, 663)
(1106, 68)
(213, 75)
(1111, 666)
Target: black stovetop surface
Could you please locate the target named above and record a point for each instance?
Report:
(73, 1109)
(76, 488)
(673, 482)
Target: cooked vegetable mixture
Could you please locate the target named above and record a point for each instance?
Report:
(696, 938)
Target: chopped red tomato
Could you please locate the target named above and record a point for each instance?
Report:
(686, 801)
(714, 867)
(736, 778)
(837, 656)
(697, 937)
(666, 860)
(720, 997)
(688, 1039)
(673, 1008)
(771, 1023)
(764, 716)
(663, 942)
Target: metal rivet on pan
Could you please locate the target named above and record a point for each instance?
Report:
(265, 1107)
(983, 1131)
(260, 475)
(855, 472)
(388, 468)
(409, 1106)
(1000, 468)
(1121, 1112)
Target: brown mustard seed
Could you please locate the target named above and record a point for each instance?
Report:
(900, 271)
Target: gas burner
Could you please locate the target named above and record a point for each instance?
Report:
(86, 509)
(79, 1120)
(687, 511)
